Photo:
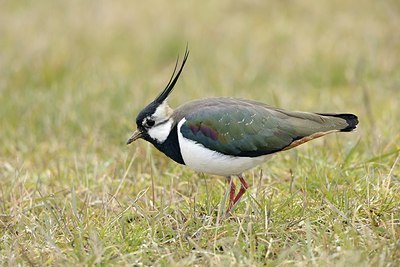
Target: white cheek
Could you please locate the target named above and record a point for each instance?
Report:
(162, 111)
(161, 132)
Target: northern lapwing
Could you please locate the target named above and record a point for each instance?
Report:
(227, 136)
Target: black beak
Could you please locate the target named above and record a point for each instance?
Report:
(136, 135)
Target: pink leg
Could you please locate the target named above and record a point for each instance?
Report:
(233, 200)
(243, 189)
(232, 192)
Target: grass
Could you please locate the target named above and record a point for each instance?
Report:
(73, 76)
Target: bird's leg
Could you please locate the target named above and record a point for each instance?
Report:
(243, 189)
(233, 200)
(232, 191)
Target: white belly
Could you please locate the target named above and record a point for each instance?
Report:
(202, 159)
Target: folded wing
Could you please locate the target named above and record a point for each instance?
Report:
(247, 128)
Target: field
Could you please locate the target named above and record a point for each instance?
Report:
(74, 74)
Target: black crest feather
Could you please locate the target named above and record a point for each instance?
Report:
(174, 78)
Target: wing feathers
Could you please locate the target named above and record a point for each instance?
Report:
(251, 129)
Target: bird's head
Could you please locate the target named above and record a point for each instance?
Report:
(155, 121)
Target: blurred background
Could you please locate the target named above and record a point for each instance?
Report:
(74, 74)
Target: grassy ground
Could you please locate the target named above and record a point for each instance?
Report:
(74, 74)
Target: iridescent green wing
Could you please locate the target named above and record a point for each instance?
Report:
(250, 129)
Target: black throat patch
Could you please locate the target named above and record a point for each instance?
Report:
(170, 147)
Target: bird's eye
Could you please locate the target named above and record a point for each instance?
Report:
(150, 123)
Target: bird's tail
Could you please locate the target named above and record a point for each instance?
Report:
(351, 120)
(329, 123)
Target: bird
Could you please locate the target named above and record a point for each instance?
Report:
(227, 136)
